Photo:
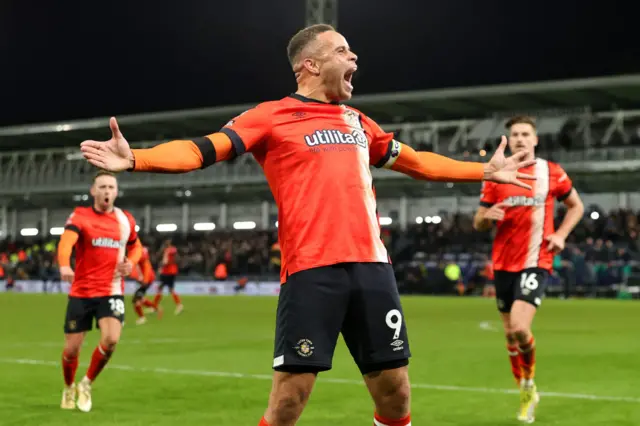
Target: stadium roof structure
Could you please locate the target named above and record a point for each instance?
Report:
(597, 94)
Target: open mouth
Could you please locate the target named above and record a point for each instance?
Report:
(348, 77)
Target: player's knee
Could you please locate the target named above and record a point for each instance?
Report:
(511, 336)
(521, 332)
(392, 394)
(72, 350)
(289, 396)
(395, 402)
(110, 341)
(287, 405)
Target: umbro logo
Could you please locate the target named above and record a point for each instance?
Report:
(299, 114)
(397, 345)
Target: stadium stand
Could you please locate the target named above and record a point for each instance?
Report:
(602, 254)
(588, 126)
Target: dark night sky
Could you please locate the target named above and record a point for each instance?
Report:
(64, 60)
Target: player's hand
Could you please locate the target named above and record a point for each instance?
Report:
(113, 155)
(556, 243)
(505, 170)
(496, 212)
(124, 268)
(66, 274)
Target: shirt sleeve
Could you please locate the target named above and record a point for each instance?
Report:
(489, 195)
(74, 222)
(383, 149)
(562, 184)
(249, 130)
(65, 247)
(133, 235)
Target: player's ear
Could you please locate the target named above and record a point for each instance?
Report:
(92, 190)
(311, 65)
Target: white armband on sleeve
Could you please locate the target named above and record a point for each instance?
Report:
(392, 154)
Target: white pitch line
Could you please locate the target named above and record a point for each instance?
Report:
(205, 373)
(487, 326)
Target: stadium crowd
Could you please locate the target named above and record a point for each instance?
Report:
(437, 258)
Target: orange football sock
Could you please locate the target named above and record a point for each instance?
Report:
(514, 357)
(99, 359)
(528, 359)
(69, 367)
(138, 309)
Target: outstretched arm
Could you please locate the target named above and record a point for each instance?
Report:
(182, 155)
(431, 166)
(242, 134)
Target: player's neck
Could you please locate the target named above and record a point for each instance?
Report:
(530, 156)
(313, 91)
(99, 209)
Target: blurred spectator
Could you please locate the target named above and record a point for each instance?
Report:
(50, 274)
(441, 255)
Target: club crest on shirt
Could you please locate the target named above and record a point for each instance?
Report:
(351, 118)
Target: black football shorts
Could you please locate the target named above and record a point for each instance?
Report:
(528, 285)
(81, 312)
(359, 300)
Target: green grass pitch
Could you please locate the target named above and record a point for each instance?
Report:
(212, 365)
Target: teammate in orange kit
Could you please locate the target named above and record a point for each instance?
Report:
(143, 273)
(336, 277)
(101, 234)
(168, 273)
(523, 249)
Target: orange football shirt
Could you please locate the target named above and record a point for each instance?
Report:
(316, 157)
(520, 238)
(102, 242)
